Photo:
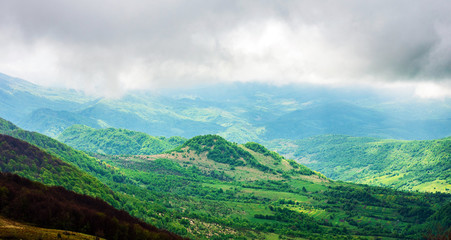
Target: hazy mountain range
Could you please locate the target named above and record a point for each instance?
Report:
(239, 112)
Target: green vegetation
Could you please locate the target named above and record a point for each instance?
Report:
(20, 157)
(116, 141)
(58, 208)
(239, 112)
(219, 150)
(408, 165)
(204, 197)
(200, 195)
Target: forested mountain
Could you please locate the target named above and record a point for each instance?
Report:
(17, 156)
(62, 151)
(211, 188)
(239, 112)
(226, 190)
(58, 208)
(116, 141)
(407, 165)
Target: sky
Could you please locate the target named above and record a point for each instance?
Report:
(110, 47)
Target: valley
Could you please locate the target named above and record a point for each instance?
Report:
(171, 160)
(225, 120)
(211, 188)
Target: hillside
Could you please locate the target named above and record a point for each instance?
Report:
(222, 190)
(212, 188)
(10, 229)
(248, 162)
(143, 208)
(116, 141)
(407, 165)
(17, 156)
(58, 208)
(60, 150)
(239, 112)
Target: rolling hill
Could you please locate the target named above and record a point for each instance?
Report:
(212, 188)
(116, 141)
(407, 165)
(219, 189)
(17, 156)
(239, 112)
(62, 151)
(58, 208)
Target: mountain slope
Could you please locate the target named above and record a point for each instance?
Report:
(332, 118)
(212, 152)
(10, 229)
(56, 207)
(116, 141)
(409, 165)
(219, 189)
(17, 156)
(59, 150)
(51, 122)
(239, 112)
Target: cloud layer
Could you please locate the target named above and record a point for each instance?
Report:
(108, 47)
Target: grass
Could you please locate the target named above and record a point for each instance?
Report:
(14, 230)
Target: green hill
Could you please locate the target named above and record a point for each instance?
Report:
(60, 150)
(250, 161)
(116, 141)
(58, 208)
(141, 206)
(222, 190)
(17, 156)
(408, 165)
(209, 188)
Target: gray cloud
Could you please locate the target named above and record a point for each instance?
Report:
(111, 46)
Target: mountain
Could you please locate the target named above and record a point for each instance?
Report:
(67, 154)
(17, 156)
(239, 112)
(91, 168)
(220, 189)
(51, 122)
(58, 208)
(212, 188)
(330, 118)
(407, 165)
(116, 141)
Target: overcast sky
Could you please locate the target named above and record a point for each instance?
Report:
(109, 47)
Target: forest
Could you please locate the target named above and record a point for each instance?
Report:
(193, 194)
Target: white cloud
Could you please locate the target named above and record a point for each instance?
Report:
(107, 48)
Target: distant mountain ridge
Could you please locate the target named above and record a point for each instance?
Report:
(408, 165)
(239, 112)
(116, 141)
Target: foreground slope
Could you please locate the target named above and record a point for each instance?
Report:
(143, 208)
(67, 154)
(17, 156)
(408, 165)
(58, 208)
(116, 141)
(10, 229)
(217, 189)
